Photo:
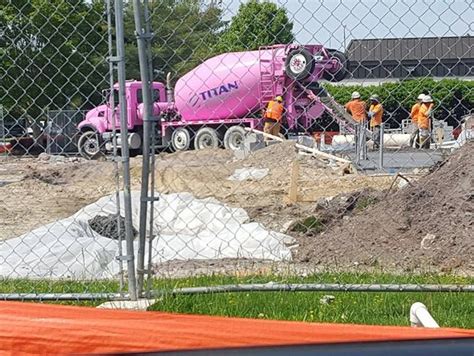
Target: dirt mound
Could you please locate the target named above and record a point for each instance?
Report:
(275, 155)
(68, 172)
(428, 225)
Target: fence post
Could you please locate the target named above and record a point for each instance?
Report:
(360, 138)
(142, 35)
(147, 16)
(114, 140)
(2, 128)
(357, 145)
(132, 287)
(381, 146)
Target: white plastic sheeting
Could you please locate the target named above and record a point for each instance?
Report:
(241, 174)
(186, 228)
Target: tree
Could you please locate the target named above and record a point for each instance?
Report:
(257, 23)
(53, 55)
(184, 31)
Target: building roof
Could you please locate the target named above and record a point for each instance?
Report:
(398, 49)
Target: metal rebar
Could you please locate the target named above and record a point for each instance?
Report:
(147, 117)
(114, 138)
(119, 25)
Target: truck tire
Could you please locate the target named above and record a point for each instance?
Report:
(180, 139)
(299, 64)
(89, 145)
(206, 137)
(234, 138)
(341, 73)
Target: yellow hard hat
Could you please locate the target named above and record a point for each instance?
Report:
(279, 98)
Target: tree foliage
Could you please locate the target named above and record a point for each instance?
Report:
(53, 54)
(257, 23)
(184, 30)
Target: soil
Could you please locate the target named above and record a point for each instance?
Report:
(427, 225)
(108, 226)
(354, 223)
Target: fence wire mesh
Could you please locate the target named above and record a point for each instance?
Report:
(291, 141)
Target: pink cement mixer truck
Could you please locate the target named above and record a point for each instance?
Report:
(213, 103)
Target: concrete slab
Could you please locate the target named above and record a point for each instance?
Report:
(141, 304)
(399, 160)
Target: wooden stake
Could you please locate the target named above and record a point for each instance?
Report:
(293, 191)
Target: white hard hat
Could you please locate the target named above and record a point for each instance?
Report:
(421, 96)
(375, 97)
(427, 99)
(355, 95)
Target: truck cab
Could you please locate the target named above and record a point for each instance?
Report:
(98, 127)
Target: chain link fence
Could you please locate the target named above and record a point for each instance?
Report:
(188, 143)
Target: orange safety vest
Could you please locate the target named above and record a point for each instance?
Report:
(376, 120)
(357, 109)
(424, 116)
(274, 110)
(415, 109)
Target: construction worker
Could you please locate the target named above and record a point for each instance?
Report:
(424, 122)
(375, 115)
(414, 120)
(273, 115)
(356, 107)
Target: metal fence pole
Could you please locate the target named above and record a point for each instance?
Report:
(381, 146)
(357, 143)
(151, 236)
(2, 129)
(114, 139)
(364, 147)
(132, 287)
(142, 36)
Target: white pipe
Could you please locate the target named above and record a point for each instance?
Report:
(301, 147)
(389, 140)
(420, 316)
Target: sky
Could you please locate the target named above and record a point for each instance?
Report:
(326, 21)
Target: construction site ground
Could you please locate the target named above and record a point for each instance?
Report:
(342, 220)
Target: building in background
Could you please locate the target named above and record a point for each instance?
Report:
(373, 61)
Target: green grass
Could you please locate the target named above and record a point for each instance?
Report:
(310, 225)
(449, 309)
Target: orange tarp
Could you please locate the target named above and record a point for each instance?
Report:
(28, 328)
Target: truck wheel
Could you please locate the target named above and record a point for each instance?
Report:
(234, 138)
(89, 145)
(206, 138)
(180, 139)
(342, 72)
(299, 64)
